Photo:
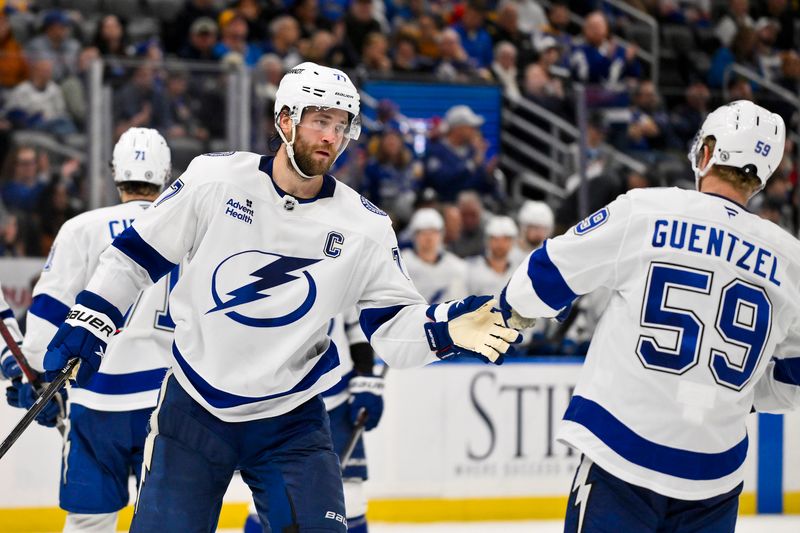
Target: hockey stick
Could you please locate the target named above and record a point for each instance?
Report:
(358, 429)
(42, 401)
(19, 357)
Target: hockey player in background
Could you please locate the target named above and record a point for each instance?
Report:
(359, 388)
(9, 369)
(535, 225)
(704, 295)
(489, 273)
(437, 274)
(107, 416)
(276, 247)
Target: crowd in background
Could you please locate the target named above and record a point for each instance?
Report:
(448, 198)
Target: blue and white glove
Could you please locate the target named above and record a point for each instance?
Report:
(85, 333)
(511, 318)
(9, 368)
(472, 326)
(366, 392)
(22, 395)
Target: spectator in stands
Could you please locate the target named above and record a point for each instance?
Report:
(56, 43)
(559, 25)
(786, 14)
(111, 42)
(790, 72)
(202, 42)
(474, 38)
(649, 128)
(452, 224)
(599, 157)
(183, 108)
(600, 61)
(540, 85)
(504, 70)
(437, 274)
(506, 27)
(454, 64)
(429, 37)
(390, 177)
(13, 67)
(739, 89)
(472, 239)
(284, 36)
(737, 18)
(686, 118)
(531, 15)
(318, 48)
(457, 162)
(23, 183)
(54, 208)
(10, 243)
(235, 39)
(307, 14)
(406, 56)
(141, 103)
(175, 34)
(74, 87)
(536, 221)
(257, 14)
(360, 22)
(38, 103)
(489, 273)
(767, 55)
(375, 55)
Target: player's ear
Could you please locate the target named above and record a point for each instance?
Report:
(285, 122)
(705, 156)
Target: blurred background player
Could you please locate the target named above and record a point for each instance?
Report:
(535, 225)
(359, 388)
(9, 369)
(438, 275)
(107, 417)
(704, 295)
(489, 273)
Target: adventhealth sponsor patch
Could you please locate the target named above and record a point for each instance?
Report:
(372, 207)
(593, 221)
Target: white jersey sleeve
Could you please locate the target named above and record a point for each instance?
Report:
(778, 390)
(63, 277)
(576, 263)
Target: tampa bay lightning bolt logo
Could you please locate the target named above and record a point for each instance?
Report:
(267, 275)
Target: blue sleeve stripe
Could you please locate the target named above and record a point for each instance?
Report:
(8, 313)
(131, 244)
(625, 442)
(48, 308)
(339, 387)
(787, 370)
(98, 303)
(372, 319)
(220, 399)
(131, 383)
(547, 281)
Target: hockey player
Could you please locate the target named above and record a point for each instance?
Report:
(107, 416)
(437, 274)
(536, 224)
(488, 274)
(9, 369)
(359, 388)
(704, 294)
(276, 247)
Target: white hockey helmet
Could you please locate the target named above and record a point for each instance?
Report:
(426, 218)
(501, 226)
(141, 154)
(312, 85)
(748, 137)
(534, 213)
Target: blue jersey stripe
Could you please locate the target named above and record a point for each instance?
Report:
(339, 387)
(8, 313)
(787, 370)
(647, 454)
(131, 244)
(547, 281)
(131, 383)
(223, 400)
(48, 308)
(98, 303)
(372, 319)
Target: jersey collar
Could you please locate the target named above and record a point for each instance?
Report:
(727, 199)
(328, 182)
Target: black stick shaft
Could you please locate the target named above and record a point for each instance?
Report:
(44, 398)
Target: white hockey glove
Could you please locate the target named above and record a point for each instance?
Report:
(473, 326)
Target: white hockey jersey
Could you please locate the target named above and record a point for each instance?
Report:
(136, 359)
(483, 279)
(265, 275)
(439, 282)
(7, 316)
(344, 331)
(704, 293)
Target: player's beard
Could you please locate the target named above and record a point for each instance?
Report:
(304, 158)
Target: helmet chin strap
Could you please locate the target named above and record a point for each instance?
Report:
(290, 148)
